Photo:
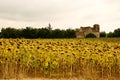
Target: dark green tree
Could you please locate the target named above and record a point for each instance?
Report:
(57, 33)
(103, 34)
(117, 32)
(29, 32)
(49, 27)
(110, 35)
(10, 33)
(70, 33)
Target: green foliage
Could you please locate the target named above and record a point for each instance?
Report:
(110, 34)
(31, 33)
(117, 32)
(90, 36)
(10, 33)
(102, 34)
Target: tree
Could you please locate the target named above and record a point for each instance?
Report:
(29, 32)
(110, 35)
(57, 33)
(0, 35)
(90, 36)
(49, 27)
(102, 34)
(70, 33)
(10, 33)
(117, 32)
(43, 33)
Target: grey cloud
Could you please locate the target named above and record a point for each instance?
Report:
(61, 11)
(33, 10)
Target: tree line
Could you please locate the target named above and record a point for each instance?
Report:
(48, 32)
(32, 33)
(115, 34)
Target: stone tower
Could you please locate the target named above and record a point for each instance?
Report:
(96, 27)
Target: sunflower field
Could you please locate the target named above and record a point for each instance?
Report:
(60, 58)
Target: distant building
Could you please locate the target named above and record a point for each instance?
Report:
(87, 30)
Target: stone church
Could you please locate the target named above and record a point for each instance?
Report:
(87, 30)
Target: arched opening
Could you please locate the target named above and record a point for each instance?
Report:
(90, 35)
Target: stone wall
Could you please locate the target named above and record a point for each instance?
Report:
(87, 30)
(97, 34)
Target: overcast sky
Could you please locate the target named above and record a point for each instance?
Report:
(61, 14)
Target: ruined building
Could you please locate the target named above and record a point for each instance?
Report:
(87, 30)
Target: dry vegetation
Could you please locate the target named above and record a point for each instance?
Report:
(90, 59)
